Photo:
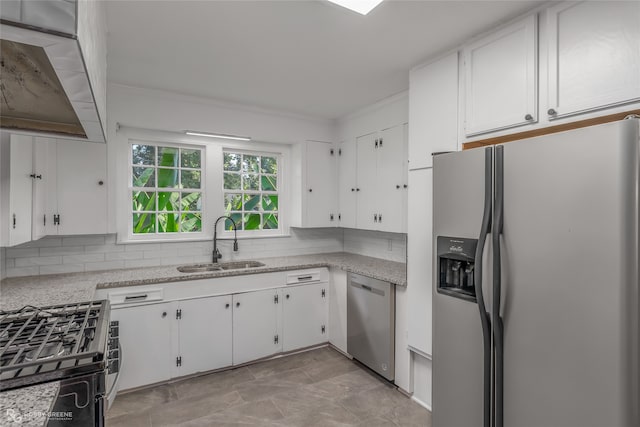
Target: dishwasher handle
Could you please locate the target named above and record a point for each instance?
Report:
(366, 288)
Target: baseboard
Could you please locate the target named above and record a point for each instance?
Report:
(421, 403)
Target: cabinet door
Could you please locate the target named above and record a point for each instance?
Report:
(501, 79)
(433, 110)
(594, 55)
(304, 316)
(321, 185)
(40, 186)
(145, 338)
(391, 180)
(255, 325)
(204, 334)
(348, 184)
(338, 308)
(20, 189)
(81, 188)
(367, 199)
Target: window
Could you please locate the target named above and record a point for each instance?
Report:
(166, 188)
(250, 189)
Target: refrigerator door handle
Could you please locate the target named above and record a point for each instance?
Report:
(484, 315)
(498, 331)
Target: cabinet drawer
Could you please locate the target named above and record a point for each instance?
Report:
(135, 296)
(306, 276)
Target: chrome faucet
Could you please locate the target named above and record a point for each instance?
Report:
(216, 252)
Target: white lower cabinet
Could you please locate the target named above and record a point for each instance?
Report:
(203, 327)
(145, 341)
(255, 325)
(304, 316)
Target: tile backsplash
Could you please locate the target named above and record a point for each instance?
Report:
(69, 254)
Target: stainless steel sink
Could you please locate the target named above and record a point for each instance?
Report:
(232, 265)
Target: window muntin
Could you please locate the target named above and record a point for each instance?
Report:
(166, 188)
(250, 190)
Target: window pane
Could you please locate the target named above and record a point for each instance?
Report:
(251, 202)
(270, 203)
(143, 201)
(232, 181)
(168, 156)
(167, 222)
(144, 177)
(190, 158)
(232, 161)
(191, 222)
(191, 202)
(190, 179)
(252, 221)
(167, 178)
(269, 165)
(237, 217)
(251, 164)
(232, 202)
(250, 182)
(144, 223)
(142, 154)
(168, 201)
(270, 221)
(269, 182)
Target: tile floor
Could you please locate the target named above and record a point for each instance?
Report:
(315, 388)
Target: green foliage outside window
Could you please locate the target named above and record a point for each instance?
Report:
(251, 190)
(166, 190)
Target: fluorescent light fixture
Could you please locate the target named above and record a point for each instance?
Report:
(361, 6)
(217, 135)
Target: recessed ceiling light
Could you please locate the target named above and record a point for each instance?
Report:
(361, 6)
(218, 135)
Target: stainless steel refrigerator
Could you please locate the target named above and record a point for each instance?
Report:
(535, 301)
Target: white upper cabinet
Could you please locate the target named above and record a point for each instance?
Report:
(347, 184)
(20, 189)
(314, 185)
(501, 79)
(433, 110)
(594, 56)
(382, 180)
(81, 177)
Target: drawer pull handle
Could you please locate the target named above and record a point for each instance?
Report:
(301, 278)
(135, 297)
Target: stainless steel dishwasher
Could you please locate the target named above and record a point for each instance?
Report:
(371, 323)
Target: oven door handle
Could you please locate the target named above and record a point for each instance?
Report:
(112, 389)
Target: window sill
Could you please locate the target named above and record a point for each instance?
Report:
(197, 239)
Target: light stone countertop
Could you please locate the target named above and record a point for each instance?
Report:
(54, 289)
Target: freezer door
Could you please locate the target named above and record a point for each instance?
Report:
(570, 279)
(458, 350)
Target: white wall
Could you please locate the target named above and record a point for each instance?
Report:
(92, 37)
(70, 254)
(165, 111)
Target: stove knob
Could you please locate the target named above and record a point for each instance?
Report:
(114, 330)
(113, 366)
(113, 354)
(113, 343)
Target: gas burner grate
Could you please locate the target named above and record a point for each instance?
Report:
(40, 344)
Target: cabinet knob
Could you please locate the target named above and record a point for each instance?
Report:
(397, 186)
(164, 314)
(226, 305)
(528, 117)
(353, 189)
(287, 296)
(237, 304)
(405, 186)
(101, 182)
(551, 112)
(310, 190)
(357, 189)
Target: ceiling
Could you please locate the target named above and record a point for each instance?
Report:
(303, 56)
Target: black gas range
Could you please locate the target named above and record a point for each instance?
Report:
(75, 344)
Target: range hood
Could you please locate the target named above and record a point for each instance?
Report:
(44, 82)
